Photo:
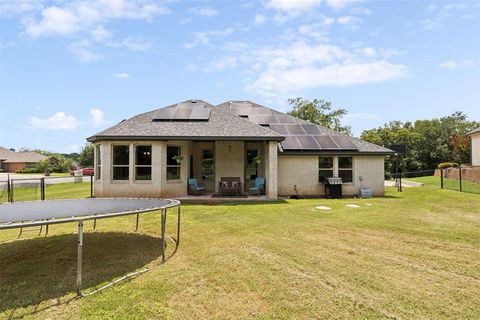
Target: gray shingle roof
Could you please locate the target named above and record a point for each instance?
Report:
(221, 125)
(297, 141)
(10, 156)
(473, 131)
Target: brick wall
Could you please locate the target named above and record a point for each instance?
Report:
(468, 173)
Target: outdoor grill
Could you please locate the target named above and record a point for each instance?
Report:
(333, 188)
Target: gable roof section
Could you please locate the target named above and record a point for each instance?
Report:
(473, 132)
(221, 125)
(301, 136)
(10, 156)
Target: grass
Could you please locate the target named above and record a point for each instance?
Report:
(414, 254)
(452, 184)
(52, 191)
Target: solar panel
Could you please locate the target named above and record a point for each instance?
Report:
(283, 118)
(308, 143)
(311, 129)
(290, 143)
(326, 142)
(295, 129)
(271, 118)
(202, 113)
(185, 111)
(344, 142)
(279, 128)
(182, 114)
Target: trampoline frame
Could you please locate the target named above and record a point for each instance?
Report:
(81, 219)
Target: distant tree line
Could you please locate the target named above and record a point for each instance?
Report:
(429, 142)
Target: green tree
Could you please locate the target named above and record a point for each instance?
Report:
(319, 112)
(429, 142)
(86, 155)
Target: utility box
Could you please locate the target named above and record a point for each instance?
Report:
(333, 188)
(366, 193)
(77, 176)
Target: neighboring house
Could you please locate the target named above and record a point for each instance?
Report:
(475, 138)
(137, 157)
(11, 161)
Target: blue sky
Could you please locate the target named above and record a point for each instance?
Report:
(69, 69)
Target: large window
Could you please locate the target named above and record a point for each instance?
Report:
(345, 168)
(98, 161)
(251, 170)
(143, 163)
(173, 163)
(121, 161)
(207, 164)
(325, 168)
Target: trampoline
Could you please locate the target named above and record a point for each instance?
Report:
(48, 212)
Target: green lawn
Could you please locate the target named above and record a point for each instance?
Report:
(452, 184)
(52, 191)
(414, 255)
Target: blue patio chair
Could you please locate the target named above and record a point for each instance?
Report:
(258, 186)
(195, 187)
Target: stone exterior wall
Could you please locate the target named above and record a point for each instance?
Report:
(302, 171)
(468, 173)
(229, 162)
(475, 149)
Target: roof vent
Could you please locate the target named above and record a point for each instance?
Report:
(193, 101)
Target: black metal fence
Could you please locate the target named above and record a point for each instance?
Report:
(454, 178)
(398, 177)
(42, 188)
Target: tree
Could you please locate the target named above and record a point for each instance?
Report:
(429, 142)
(86, 155)
(319, 112)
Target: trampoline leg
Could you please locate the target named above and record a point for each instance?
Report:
(95, 224)
(46, 229)
(79, 257)
(163, 235)
(136, 225)
(178, 226)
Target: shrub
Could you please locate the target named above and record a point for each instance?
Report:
(445, 165)
(29, 170)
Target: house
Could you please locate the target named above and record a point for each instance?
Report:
(475, 143)
(11, 161)
(153, 154)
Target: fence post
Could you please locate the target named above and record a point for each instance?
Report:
(460, 176)
(42, 188)
(11, 190)
(441, 178)
(8, 189)
(91, 186)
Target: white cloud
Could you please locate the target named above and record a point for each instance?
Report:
(439, 15)
(208, 12)
(11, 7)
(97, 117)
(99, 34)
(203, 38)
(58, 121)
(78, 16)
(454, 64)
(276, 81)
(132, 44)
(304, 5)
(81, 49)
(260, 19)
(222, 64)
(122, 75)
(235, 46)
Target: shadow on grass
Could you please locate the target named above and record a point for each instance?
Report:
(36, 270)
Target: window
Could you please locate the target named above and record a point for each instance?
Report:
(98, 160)
(207, 164)
(345, 168)
(325, 168)
(143, 163)
(173, 163)
(121, 161)
(252, 165)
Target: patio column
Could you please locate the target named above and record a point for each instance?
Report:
(272, 169)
